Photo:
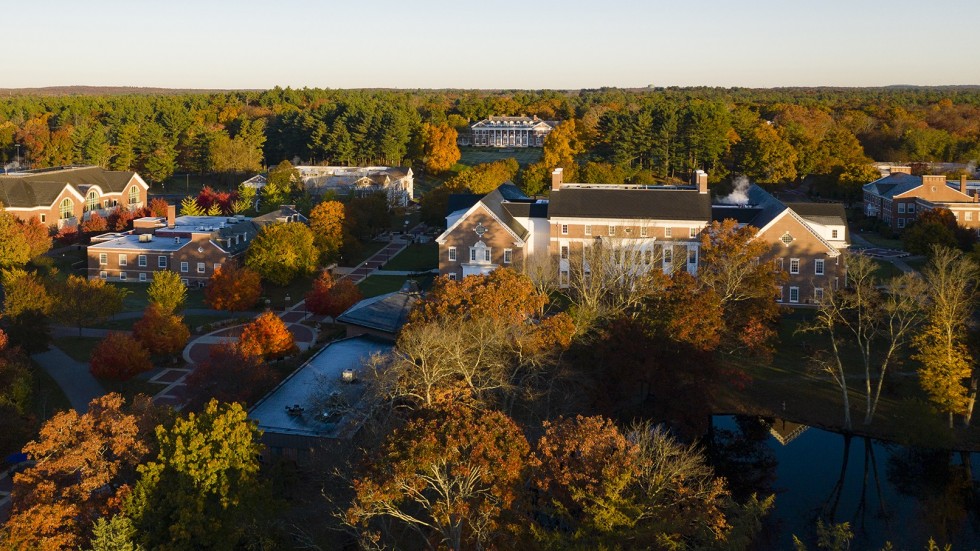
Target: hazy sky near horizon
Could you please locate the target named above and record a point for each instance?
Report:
(490, 44)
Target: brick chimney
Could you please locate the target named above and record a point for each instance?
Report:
(556, 177)
(900, 170)
(171, 216)
(701, 181)
(963, 184)
(930, 181)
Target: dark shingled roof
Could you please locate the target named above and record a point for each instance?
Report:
(894, 184)
(528, 210)
(494, 200)
(461, 201)
(822, 213)
(649, 203)
(41, 187)
(384, 312)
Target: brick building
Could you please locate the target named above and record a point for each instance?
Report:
(898, 198)
(65, 196)
(649, 227)
(193, 246)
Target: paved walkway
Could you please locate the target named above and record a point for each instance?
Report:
(80, 386)
(899, 263)
(380, 258)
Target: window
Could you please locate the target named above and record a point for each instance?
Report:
(91, 201)
(185, 281)
(200, 267)
(668, 232)
(563, 278)
(779, 293)
(122, 276)
(508, 253)
(779, 264)
(141, 260)
(588, 229)
(103, 259)
(833, 234)
(911, 209)
(692, 256)
(968, 215)
(644, 231)
(564, 229)
(472, 254)
(44, 218)
(794, 294)
(564, 251)
(452, 276)
(183, 267)
(134, 195)
(786, 238)
(142, 276)
(452, 254)
(668, 255)
(123, 261)
(818, 266)
(161, 262)
(794, 265)
(612, 230)
(901, 222)
(67, 209)
(105, 203)
(818, 295)
(693, 233)
(901, 208)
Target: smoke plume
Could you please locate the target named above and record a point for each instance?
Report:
(739, 195)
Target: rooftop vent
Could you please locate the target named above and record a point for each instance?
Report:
(146, 237)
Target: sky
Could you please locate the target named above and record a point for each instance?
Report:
(501, 44)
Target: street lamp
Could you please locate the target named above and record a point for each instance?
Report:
(286, 306)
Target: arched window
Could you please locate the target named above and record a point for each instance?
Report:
(67, 209)
(91, 201)
(134, 196)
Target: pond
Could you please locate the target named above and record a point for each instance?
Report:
(887, 492)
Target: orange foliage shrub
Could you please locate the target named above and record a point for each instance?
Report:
(228, 375)
(120, 357)
(266, 337)
(329, 297)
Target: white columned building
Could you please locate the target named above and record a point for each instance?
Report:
(511, 132)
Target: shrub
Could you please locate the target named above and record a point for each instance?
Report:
(119, 357)
(233, 288)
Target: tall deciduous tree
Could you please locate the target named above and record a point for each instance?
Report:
(83, 463)
(439, 149)
(951, 279)
(228, 375)
(451, 476)
(202, 489)
(327, 223)
(234, 288)
(331, 297)
(82, 301)
(167, 291)
(282, 252)
(485, 177)
(119, 356)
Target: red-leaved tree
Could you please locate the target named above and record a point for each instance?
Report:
(331, 298)
(119, 356)
(266, 337)
(233, 288)
(158, 207)
(95, 223)
(229, 376)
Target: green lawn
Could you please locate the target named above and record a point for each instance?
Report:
(380, 284)
(296, 291)
(79, 348)
(916, 262)
(477, 155)
(886, 270)
(416, 258)
(879, 241)
(136, 300)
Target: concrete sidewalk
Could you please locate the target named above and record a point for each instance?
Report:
(80, 386)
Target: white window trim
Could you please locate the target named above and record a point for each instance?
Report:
(779, 298)
(201, 267)
(793, 290)
(103, 275)
(142, 276)
(103, 259)
(122, 276)
(644, 231)
(564, 229)
(817, 294)
(452, 254)
(901, 222)
(588, 229)
(818, 267)
(184, 266)
(693, 233)
(797, 269)
(901, 208)
(141, 261)
(508, 256)
(668, 232)
(123, 260)
(612, 230)
(161, 262)
(452, 276)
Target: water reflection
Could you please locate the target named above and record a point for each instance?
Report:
(886, 491)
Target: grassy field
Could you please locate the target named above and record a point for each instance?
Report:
(296, 291)
(367, 249)
(380, 284)
(477, 155)
(879, 241)
(886, 270)
(137, 301)
(79, 348)
(416, 258)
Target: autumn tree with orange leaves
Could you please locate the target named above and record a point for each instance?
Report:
(266, 337)
(84, 463)
(452, 476)
(439, 149)
(234, 288)
(327, 223)
(331, 298)
(161, 332)
(119, 356)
